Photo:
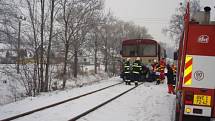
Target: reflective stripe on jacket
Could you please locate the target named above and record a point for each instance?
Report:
(136, 67)
(127, 67)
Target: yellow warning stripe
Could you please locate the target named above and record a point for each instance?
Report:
(189, 82)
(188, 58)
(188, 71)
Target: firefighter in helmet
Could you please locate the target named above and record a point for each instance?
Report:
(136, 70)
(162, 64)
(127, 71)
(170, 79)
(174, 73)
(157, 73)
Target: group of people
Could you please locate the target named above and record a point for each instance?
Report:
(160, 70)
(133, 72)
(158, 73)
(153, 71)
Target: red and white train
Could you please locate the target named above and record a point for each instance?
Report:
(146, 49)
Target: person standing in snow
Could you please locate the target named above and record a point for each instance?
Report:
(153, 75)
(162, 68)
(170, 79)
(149, 71)
(127, 71)
(157, 74)
(174, 73)
(136, 70)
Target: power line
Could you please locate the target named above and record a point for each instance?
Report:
(139, 18)
(146, 20)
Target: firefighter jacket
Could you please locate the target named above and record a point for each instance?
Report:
(154, 66)
(127, 67)
(170, 75)
(161, 69)
(174, 69)
(137, 67)
(162, 65)
(157, 69)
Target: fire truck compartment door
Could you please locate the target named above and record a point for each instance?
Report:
(203, 72)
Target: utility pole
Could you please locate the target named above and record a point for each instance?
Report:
(20, 18)
(18, 49)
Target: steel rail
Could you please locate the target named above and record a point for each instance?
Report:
(102, 104)
(55, 104)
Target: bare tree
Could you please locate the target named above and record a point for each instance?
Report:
(96, 47)
(49, 44)
(32, 10)
(85, 20)
(42, 3)
(175, 28)
(75, 18)
(94, 38)
(113, 32)
(65, 16)
(105, 33)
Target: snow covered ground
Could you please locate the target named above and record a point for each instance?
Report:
(148, 102)
(12, 85)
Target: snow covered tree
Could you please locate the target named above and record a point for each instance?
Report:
(75, 17)
(176, 24)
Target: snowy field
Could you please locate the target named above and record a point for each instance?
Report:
(148, 102)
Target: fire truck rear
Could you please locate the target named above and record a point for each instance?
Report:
(195, 97)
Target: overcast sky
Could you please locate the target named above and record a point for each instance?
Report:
(153, 14)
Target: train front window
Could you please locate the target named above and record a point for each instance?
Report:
(139, 50)
(130, 50)
(147, 50)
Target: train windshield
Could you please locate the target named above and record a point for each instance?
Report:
(139, 50)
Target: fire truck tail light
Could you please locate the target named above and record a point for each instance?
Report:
(188, 110)
(188, 102)
(189, 97)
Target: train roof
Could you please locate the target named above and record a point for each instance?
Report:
(138, 41)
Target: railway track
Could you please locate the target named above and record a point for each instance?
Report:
(102, 104)
(56, 104)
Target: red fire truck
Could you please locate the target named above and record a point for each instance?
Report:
(195, 90)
